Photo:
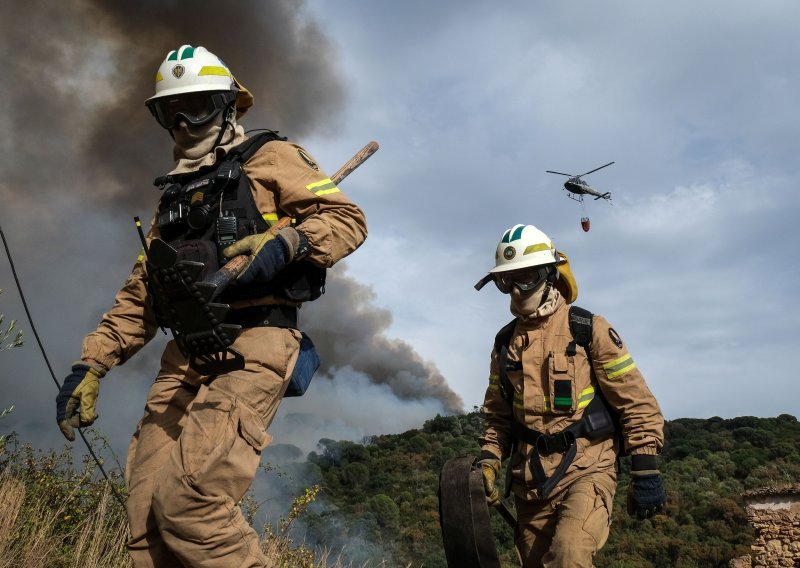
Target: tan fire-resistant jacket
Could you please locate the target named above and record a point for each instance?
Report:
(284, 182)
(541, 345)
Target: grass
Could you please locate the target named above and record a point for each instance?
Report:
(56, 516)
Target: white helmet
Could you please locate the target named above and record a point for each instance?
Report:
(523, 246)
(188, 70)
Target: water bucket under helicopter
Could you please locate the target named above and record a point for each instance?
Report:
(585, 224)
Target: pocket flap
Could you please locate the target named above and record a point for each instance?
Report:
(560, 363)
(251, 428)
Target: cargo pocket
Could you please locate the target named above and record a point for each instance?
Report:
(599, 519)
(562, 384)
(251, 428)
(207, 436)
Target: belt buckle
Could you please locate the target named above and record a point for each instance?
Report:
(549, 444)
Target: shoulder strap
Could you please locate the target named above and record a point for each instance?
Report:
(580, 324)
(246, 149)
(501, 342)
(503, 336)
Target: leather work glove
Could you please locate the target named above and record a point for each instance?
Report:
(490, 467)
(646, 495)
(75, 403)
(268, 255)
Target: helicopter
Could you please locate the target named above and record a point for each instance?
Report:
(575, 185)
(580, 188)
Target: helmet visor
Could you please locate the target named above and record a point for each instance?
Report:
(195, 109)
(526, 279)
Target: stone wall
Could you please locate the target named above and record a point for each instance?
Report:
(774, 513)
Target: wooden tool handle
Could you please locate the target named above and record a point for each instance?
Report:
(228, 273)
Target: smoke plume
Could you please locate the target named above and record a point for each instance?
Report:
(349, 331)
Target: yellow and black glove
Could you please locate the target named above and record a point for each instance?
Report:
(75, 403)
(268, 253)
(490, 467)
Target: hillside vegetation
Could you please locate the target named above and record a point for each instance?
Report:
(382, 495)
(377, 504)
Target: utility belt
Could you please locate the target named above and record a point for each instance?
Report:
(264, 316)
(284, 317)
(595, 424)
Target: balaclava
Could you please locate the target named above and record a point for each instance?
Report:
(202, 145)
(539, 302)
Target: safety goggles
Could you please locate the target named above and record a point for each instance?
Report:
(525, 279)
(196, 109)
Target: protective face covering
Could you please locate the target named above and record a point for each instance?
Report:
(194, 142)
(197, 146)
(535, 303)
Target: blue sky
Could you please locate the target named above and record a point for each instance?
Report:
(693, 263)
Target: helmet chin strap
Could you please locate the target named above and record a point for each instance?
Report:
(226, 121)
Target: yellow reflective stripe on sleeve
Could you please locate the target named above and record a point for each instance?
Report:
(322, 187)
(214, 70)
(140, 257)
(585, 397)
(270, 217)
(619, 366)
(494, 381)
(518, 402)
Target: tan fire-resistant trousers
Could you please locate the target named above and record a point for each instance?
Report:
(196, 452)
(569, 529)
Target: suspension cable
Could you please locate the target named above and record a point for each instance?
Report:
(117, 495)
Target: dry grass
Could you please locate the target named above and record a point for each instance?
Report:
(36, 538)
(12, 494)
(36, 534)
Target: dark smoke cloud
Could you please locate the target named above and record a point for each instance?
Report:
(349, 331)
(77, 74)
(79, 152)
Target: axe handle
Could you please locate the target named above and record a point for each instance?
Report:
(228, 273)
(359, 158)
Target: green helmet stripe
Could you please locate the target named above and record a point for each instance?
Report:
(517, 233)
(188, 53)
(505, 236)
(173, 55)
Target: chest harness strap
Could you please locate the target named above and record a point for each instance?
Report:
(596, 422)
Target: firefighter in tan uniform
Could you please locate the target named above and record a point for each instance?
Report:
(198, 445)
(558, 377)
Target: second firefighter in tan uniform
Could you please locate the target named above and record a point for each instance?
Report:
(563, 515)
(198, 445)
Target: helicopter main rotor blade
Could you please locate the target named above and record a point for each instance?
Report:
(594, 170)
(559, 173)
